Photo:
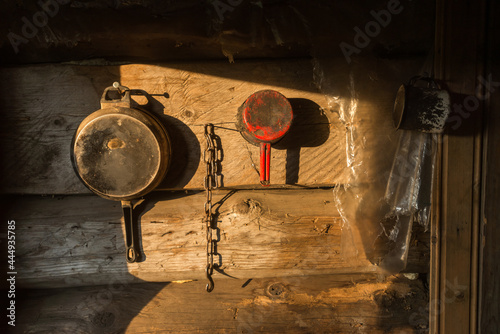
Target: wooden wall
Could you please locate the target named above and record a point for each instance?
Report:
(312, 304)
(464, 261)
(285, 257)
(188, 96)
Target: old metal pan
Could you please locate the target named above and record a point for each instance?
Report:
(121, 153)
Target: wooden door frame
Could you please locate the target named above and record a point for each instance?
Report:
(464, 235)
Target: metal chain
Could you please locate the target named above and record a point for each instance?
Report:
(211, 158)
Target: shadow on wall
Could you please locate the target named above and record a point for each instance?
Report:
(63, 284)
(184, 144)
(65, 231)
(310, 128)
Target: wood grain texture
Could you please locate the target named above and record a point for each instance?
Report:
(46, 103)
(308, 304)
(489, 320)
(78, 240)
(158, 30)
(459, 63)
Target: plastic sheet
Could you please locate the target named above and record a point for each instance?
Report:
(388, 172)
(408, 191)
(409, 186)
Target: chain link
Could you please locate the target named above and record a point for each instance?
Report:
(211, 156)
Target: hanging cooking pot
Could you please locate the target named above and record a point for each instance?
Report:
(423, 108)
(121, 153)
(264, 119)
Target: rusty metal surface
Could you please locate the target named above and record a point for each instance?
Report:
(120, 153)
(423, 109)
(265, 116)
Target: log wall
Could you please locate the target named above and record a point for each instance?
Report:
(286, 260)
(261, 234)
(308, 304)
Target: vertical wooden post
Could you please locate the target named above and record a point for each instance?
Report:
(489, 294)
(459, 63)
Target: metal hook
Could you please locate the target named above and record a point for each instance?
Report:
(210, 284)
(121, 89)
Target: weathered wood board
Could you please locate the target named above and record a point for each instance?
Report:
(489, 309)
(39, 119)
(308, 304)
(459, 62)
(79, 240)
(42, 105)
(158, 30)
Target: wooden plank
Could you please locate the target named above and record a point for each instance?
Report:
(308, 304)
(489, 294)
(459, 64)
(78, 240)
(40, 120)
(436, 206)
(156, 30)
(435, 244)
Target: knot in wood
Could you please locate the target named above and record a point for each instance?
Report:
(248, 207)
(276, 291)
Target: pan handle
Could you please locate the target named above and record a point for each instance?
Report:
(265, 163)
(133, 252)
(122, 101)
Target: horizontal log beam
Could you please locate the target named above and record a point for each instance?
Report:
(312, 304)
(78, 240)
(148, 30)
(39, 121)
